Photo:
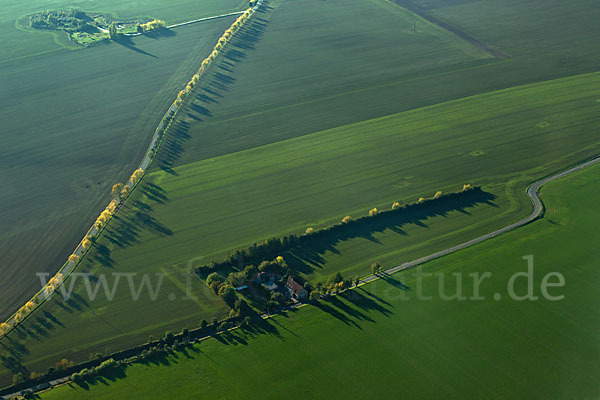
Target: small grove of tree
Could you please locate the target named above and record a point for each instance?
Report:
(63, 364)
(227, 293)
(421, 200)
(74, 258)
(375, 268)
(18, 378)
(466, 186)
(437, 194)
(4, 328)
(117, 188)
(113, 32)
(396, 205)
(106, 215)
(24, 311)
(86, 243)
(346, 219)
(310, 231)
(136, 176)
(151, 26)
(373, 212)
(54, 283)
(314, 296)
(125, 191)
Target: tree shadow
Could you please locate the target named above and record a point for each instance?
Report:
(222, 76)
(323, 306)
(173, 143)
(310, 254)
(135, 217)
(358, 299)
(152, 192)
(128, 43)
(160, 33)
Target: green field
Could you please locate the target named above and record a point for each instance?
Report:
(225, 198)
(316, 111)
(74, 123)
(380, 341)
(317, 65)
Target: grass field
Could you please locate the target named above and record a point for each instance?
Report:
(74, 123)
(277, 140)
(231, 199)
(501, 140)
(19, 43)
(381, 341)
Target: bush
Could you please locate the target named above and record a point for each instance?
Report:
(105, 365)
(227, 293)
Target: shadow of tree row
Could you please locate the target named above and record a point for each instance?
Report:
(134, 218)
(217, 83)
(37, 328)
(309, 255)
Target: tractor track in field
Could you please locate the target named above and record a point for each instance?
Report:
(412, 7)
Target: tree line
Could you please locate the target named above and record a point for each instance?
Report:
(207, 62)
(272, 247)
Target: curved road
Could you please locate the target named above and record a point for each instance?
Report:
(538, 208)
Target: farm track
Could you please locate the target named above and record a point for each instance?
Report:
(193, 21)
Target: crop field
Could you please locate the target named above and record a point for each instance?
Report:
(20, 43)
(423, 348)
(232, 199)
(501, 140)
(315, 111)
(288, 81)
(74, 123)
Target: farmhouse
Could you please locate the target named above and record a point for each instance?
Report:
(295, 290)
